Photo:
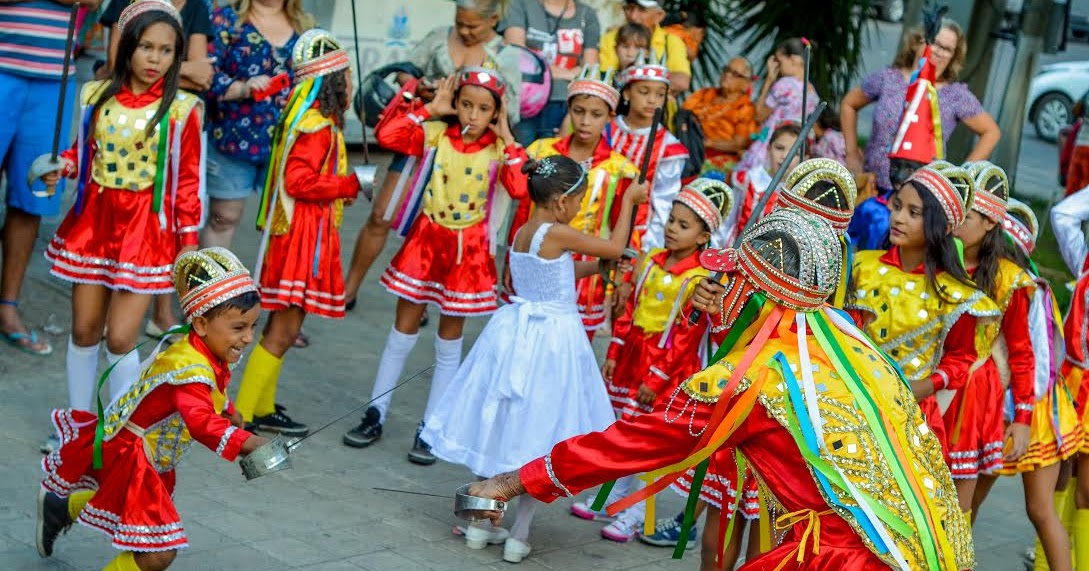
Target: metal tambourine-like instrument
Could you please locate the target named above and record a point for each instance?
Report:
(473, 508)
(272, 456)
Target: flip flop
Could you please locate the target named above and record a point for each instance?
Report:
(302, 341)
(23, 342)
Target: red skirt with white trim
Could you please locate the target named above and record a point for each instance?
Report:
(591, 298)
(116, 241)
(302, 267)
(132, 503)
(720, 485)
(974, 425)
(453, 269)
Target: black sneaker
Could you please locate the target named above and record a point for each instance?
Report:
(368, 432)
(52, 520)
(280, 423)
(421, 451)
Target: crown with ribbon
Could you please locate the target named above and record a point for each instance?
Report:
(1023, 234)
(709, 198)
(206, 278)
(317, 53)
(652, 68)
(592, 81)
(823, 187)
(951, 186)
(140, 7)
(768, 250)
(482, 77)
(992, 189)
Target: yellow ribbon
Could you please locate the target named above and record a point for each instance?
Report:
(812, 527)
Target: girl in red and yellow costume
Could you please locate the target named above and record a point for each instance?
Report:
(448, 259)
(114, 472)
(645, 87)
(298, 262)
(821, 415)
(654, 345)
(1068, 219)
(916, 300)
(137, 163)
(591, 104)
(973, 419)
(1055, 432)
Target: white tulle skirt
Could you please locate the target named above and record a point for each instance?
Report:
(530, 381)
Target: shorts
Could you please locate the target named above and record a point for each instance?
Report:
(27, 120)
(233, 179)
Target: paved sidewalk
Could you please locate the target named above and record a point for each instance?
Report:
(325, 514)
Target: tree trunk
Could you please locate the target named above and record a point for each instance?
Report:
(976, 71)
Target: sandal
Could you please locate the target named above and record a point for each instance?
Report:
(25, 341)
(302, 341)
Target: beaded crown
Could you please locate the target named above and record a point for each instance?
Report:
(767, 250)
(646, 68)
(992, 189)
(1022, 234)
(709, 198)
(482, 77)
(952, 186)
(317, 53)
(799, 191)
(140, 7)
(224, 277)
(592, 81)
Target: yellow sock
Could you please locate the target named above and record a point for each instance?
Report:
(254, 395)
(125, 561)
(1081, 539)
(76, 501)
(1067, 509)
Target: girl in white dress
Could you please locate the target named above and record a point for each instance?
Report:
(532, 380)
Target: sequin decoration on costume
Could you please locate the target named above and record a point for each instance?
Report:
(205, 278)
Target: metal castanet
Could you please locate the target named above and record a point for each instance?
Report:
(694, 317)
(475, 508)
(46, 164)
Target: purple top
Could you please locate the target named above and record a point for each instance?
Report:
(785, 100)
(831, 146)
(888, 89)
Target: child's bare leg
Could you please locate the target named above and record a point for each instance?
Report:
(709, 541)
(124, 322)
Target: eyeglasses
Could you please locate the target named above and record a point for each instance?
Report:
(735, 74)
(944, 50)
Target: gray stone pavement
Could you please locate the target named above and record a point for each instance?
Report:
(325, 514)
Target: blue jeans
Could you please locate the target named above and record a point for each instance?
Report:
(543, 125)
(27, 119)
(232, 179)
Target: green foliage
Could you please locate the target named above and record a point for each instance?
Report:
(837, 28)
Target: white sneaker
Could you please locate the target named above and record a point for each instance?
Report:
(480, 537)
(622, 530)
(514, 551)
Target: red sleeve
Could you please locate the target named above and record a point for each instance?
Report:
(402, 131)
(229, 408)
(621, 187)
(959, 353)
(621, 328)
(627, 447)
(194, 402)
(521, 215)
(187, 205)
(1022, 359)
(303, 178)
(511, 176)
(858, 316)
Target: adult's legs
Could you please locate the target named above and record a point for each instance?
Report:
(372, 237)
(224, 219)
(20, 231)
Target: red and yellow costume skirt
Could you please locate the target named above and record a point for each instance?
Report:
(1077, 382)
(302, 267)
(116, 241)
(1056, 435)
(974, 425)
(591, 298)
(453, 269)
(132, 503)
(720, 485)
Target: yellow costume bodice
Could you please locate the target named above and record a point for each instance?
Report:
(126, 157)
(658, 292)
(312, 121)
(602, 182)
(1008, 278)
(167, 440)
(457, 194)
(910, 320)
(851, 445)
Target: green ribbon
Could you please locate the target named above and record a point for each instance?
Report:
(100, 428)
(689, 518)
(743, 321)
(160, 168)
(602, 495)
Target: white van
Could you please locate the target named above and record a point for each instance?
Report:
(387, 31)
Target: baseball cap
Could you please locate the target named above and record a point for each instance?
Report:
(644, 3)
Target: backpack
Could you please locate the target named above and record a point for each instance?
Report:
(688, 130)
